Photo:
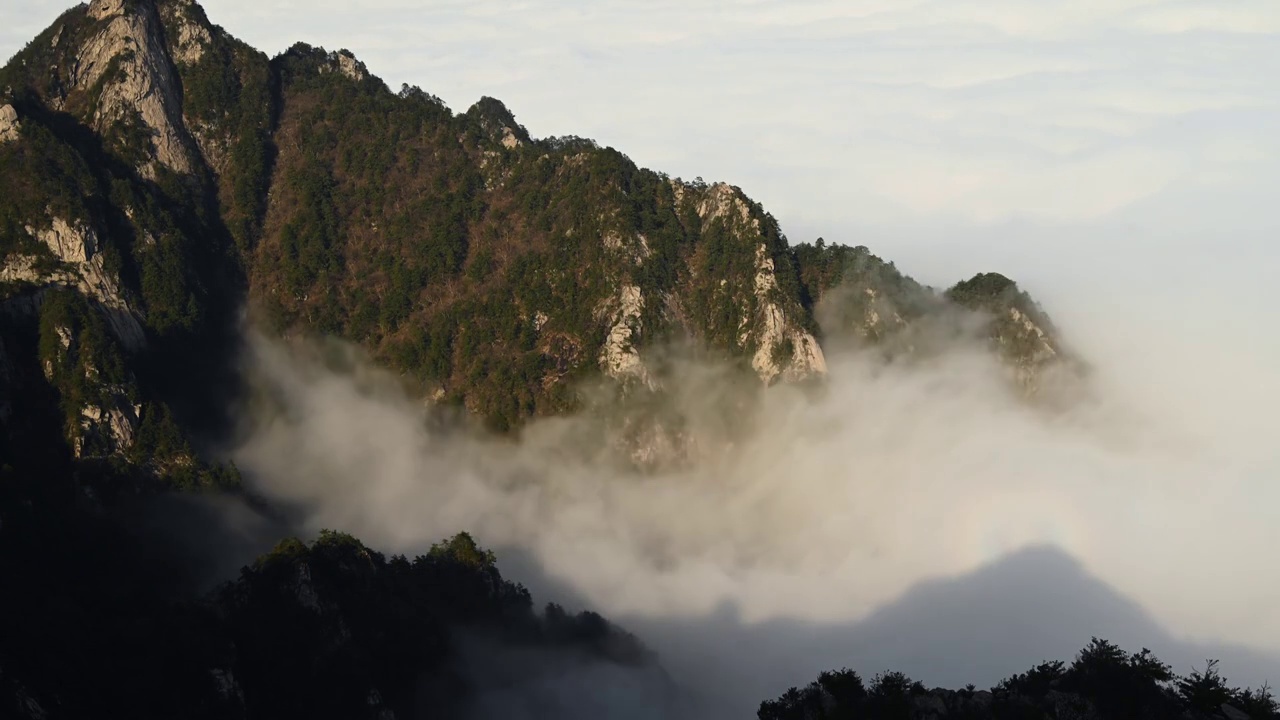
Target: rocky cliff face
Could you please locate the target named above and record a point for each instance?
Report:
(105, 223)
(767, 324)
(74, 260)
(125, 64)
(770, 324)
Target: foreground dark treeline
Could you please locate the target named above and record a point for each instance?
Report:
(1103, 682)
(91, 625)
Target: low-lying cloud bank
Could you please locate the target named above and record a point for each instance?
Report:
(837, 504)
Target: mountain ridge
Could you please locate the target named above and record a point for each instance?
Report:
(496, 270)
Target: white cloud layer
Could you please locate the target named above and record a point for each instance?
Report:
(1162, 485)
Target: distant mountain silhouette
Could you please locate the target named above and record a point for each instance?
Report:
(1033, 605)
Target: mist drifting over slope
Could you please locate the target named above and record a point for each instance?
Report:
(1158, 482)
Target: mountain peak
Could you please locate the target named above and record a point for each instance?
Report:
(1018, 327)
(498, 123)
(109, 66)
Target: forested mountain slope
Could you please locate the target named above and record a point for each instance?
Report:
(166, 172)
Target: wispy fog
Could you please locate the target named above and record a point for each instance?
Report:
(787, 553)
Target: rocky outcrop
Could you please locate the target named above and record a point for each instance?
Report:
(1020, 331)
(634, 250)
(862, 302)
(784, 349)
(352, 68)
(107, 419)
(81, 265)
(10, 128)
(771, 330)
(861, 314)
(345, 63)
(1026, 346)
(112, 427)
(721, 200)
(128, 61)
(858, 299)
(880, 317)
(498, 123)
(188, 34)
(620, 357)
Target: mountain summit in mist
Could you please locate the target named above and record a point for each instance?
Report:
(164, 186)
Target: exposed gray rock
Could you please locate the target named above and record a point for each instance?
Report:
(190, 39)
(509, 139)
(83, 267)
(144, 82)
(770, 329)
(636, 249)
(351, 67)
(102, 9)
(777, 332)
(20, 269)
(117, 424)
(619, 357)
(1028, 349)
(9, 126)
(344, 62)
(108, 417)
